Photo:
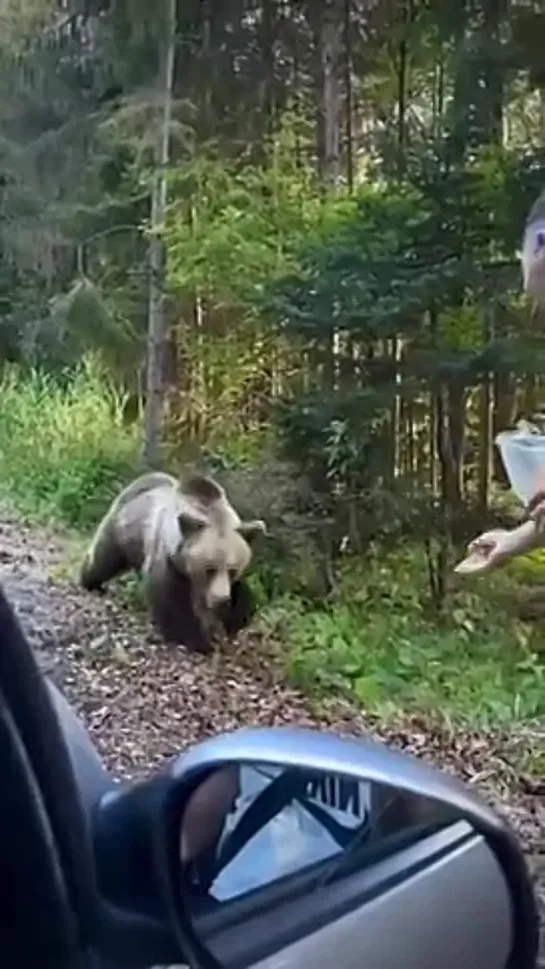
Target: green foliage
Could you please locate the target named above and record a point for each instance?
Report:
(400, 252)
(432, 267)
(231, 227)
(374, 643)
(336, 438)
(64, 446)
(80, 319)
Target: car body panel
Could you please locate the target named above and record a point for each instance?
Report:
(451, 913)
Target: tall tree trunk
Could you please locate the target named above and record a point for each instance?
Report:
(402, 77)
(492, 93)
(505, 412)
(454, 442)
(410, 450)
(435, 439)
(437, 564)
(395, 412)
(487, 397)
(268, 33)
(207, 120)
(155, 384)
(438, 97)
(348, 93)
(530, 394)
(327, 22)
(402, 85)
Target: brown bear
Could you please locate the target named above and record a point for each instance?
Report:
(192, 549)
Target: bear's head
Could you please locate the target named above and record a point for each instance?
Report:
(214, 557)
(216, 546)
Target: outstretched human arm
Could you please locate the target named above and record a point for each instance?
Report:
(495, 548)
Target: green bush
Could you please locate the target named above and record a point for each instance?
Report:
(64, 447)
(374, 641)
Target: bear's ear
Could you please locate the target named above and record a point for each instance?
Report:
(252, 529)
(202, 488)
(190, 525)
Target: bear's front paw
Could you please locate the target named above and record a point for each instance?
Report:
(190, 635)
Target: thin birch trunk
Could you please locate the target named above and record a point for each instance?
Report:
(157, 323)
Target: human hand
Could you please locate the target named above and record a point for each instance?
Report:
(488, 551)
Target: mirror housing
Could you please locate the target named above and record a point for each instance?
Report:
(148, 835)
(406, 782)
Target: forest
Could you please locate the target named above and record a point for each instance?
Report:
(280, 239)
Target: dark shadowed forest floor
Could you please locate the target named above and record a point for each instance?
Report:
(144, 703)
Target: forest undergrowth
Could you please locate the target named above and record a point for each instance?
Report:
(65, 448)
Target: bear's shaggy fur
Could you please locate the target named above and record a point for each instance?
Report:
(191, 547)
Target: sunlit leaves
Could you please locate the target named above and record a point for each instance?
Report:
(232, 229)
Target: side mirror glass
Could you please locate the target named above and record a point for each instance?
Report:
(367, 858)
(248, 826)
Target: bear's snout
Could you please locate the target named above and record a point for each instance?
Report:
(219, 591)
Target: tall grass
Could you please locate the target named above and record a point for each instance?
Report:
(64, 446)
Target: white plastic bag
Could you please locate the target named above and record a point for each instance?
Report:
(523, 456)
(289, 842)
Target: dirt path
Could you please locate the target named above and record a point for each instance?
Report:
(143, 703)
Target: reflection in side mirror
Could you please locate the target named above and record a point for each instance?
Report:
(249, 826)
(318, 866)
(205, 813)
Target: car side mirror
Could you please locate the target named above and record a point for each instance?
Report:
(302, 846)
(321, 850)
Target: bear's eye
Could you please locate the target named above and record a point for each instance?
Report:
(210, 571)
(233, 574)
